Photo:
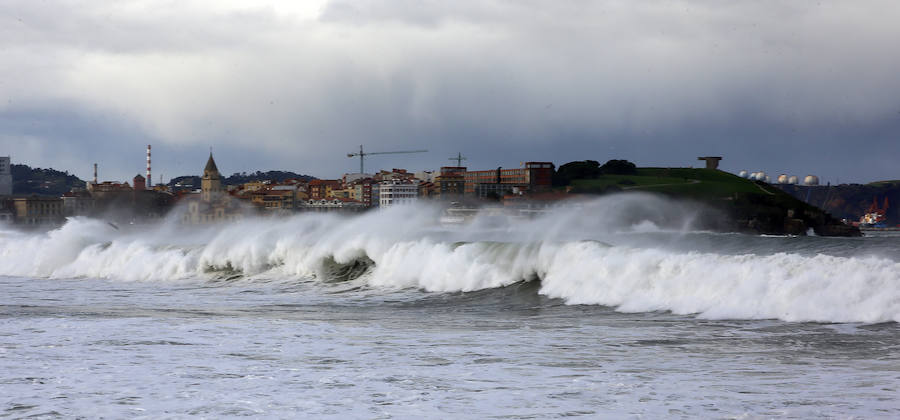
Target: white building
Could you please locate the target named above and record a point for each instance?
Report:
(425, 176)
(6, 180)
(397, 191)
(332, 204)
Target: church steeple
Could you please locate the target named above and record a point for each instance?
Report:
(211, 183)
(211, 171)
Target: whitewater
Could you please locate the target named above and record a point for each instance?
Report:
(612, 307)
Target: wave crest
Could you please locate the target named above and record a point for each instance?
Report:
(404, 248)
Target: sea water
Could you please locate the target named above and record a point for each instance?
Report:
(614, 308)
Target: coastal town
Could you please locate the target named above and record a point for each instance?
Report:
(752, 201)
(212, 201)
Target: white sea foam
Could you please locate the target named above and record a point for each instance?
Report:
(408, 250)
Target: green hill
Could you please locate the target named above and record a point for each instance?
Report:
(28, 180)
(747, 206)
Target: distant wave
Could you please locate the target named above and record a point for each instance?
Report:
(405, 248)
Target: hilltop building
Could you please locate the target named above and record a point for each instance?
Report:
(712, 162)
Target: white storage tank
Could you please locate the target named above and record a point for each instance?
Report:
(811, 180)
(782, 179)
(743, 174)
(793, 180)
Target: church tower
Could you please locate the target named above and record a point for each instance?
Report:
(211, 183)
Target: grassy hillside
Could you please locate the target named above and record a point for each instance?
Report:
(747, 205)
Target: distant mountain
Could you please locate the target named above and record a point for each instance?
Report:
(240, 178)
(27, 180)
(276, 176)
(851, 201)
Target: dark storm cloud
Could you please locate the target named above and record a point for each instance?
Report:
(774, 86)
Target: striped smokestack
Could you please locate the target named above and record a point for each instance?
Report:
(149, 180)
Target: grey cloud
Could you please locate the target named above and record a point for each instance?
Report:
(769, 85)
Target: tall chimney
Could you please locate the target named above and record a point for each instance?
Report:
(95, 173)
(149, 179)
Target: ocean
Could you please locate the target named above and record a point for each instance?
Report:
(612, 308)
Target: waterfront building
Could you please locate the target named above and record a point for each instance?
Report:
(398, 191)
(6, 180)
(450, 184)
(35, 210)
(78, 203)
(395, 173)
(333, 204)
(531, 177)
(321, 188)
(213, 204)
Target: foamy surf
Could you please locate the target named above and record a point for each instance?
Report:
(576, 256)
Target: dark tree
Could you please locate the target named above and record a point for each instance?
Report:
(581, 169)
(618, 167)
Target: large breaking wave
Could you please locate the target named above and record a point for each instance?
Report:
(578, 254)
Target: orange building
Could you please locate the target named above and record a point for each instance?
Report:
(532, 176)
(321, 188)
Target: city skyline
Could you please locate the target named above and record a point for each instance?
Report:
(781, 88)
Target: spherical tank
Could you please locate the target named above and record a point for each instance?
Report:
(760, 176)
(743, 174)
(811, 180)
(768, 180)
(782, 179)
(793, 180)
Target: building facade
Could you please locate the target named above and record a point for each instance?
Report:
(398, 191)
(6, 180)
(213, 204)
(531, 177)
(36, 210)
(332, 204)
(450, 184)
(321, 188)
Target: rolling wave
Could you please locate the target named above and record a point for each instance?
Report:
(403, 248)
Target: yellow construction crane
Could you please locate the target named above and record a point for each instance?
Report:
(363, 154)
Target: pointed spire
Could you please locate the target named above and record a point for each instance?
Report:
(210, 165)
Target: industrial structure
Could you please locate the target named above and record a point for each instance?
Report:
(459, 158)
(712, 162)
(149, 178)
(362, 155)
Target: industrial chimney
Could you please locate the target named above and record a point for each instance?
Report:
(149, 179)
(95, 173)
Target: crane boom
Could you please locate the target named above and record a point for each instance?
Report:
(362, 155)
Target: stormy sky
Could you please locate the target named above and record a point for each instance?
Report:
(799, 87)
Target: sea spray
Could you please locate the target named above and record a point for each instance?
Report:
(583, 254)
